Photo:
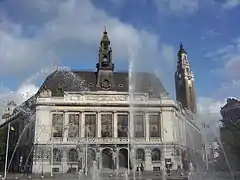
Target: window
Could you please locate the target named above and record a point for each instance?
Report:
(106, 125)
(122, 125)
(140, 154)
(57, 155)
(156, 169)
(138, 126)
(156, 155)
(57, 125)
(154, 125)
(72, 155)
(73, 125)
(90, 125)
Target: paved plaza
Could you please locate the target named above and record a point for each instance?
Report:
(122, 176)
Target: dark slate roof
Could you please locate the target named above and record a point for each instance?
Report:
(232, 103)
(65, 80)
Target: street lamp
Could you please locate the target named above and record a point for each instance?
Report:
(86, 151)
(7, 146)
(42, 162)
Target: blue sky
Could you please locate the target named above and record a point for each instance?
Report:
(37, 35)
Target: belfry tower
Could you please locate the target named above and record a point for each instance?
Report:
(184, 82)
(105, 66)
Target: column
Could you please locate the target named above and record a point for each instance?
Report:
(99, 125)
(147, 127)
(64, 160)
(115, 125)
(148, 160)
(98, 160)
(117, 154)
(66, 126)
(131, 124)
(82, 133)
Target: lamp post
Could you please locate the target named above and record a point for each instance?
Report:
(7, 147)
(86, 151)
(42, 162)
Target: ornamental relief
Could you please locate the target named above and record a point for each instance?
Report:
(104, 98)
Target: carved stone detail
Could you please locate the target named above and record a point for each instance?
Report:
(106, 98)
(46, 93)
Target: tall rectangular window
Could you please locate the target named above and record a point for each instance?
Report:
(57, 125)
(107, 125)
(155, 125)
(73, 130)
(122, 125)
(90, 125)
(138, 126)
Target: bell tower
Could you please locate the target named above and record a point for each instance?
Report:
(105, 66)
(184, 82)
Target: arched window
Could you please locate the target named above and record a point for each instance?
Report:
(72, 155)
(156, 155)
(57, 155)
(140, 154)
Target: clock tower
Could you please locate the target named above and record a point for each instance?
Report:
(184, 82)
(105, 66)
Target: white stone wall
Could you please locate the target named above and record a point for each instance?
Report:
(172, 125)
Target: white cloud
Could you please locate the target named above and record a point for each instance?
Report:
(24, 92)
(209, 106)
(71, 28)
(36, 34)
(209, 115)
(185, 6)
(230, 4)
(228, 59)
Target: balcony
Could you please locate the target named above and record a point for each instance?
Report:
(104, 140)
(155, 139)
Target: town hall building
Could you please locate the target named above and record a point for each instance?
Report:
(78, 118)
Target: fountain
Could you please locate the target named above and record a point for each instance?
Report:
(131, 143)
(93, 170)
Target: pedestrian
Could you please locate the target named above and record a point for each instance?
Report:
(141, 167)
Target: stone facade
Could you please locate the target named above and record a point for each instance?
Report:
(109, 152)
(114, 119)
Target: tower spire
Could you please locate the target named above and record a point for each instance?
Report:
(105, 40)
(184, 81)
(105, 29)
(181, 50)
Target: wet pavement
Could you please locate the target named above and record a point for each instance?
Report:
(122, 176)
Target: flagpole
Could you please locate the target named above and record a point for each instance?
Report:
(52, 153)
(86, 151)
(128, 144)
(6, 153)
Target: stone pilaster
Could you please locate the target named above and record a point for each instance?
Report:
(99, 125)
(98, 160)
(148, 160)
(147, 127)
(131, 124)
(117, 155)
(64, 160)
(115, 125)
(82, 133)
(66, 126)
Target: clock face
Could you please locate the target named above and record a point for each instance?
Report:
(105, 83)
